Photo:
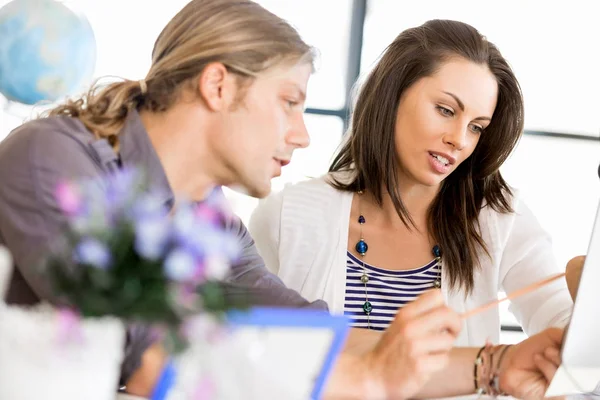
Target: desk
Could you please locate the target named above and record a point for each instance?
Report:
(475, 397)
(121, 396)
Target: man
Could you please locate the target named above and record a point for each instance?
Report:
(222, 104)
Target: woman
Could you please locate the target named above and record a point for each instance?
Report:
(415, 200)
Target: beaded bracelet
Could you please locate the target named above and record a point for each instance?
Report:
(485, 371)
(476, 364)
(495, 375)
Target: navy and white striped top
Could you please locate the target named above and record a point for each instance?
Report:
(388, 290)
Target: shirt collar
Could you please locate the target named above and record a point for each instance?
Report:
(136, 150)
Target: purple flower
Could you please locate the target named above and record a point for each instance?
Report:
(208, 214)
(81, 224)
(180, 265)
(230, 246)
(216, 267)
(199, 273)
(92, 252)
(205, 240)
(215, 209)
(187, 295)
(148, 205)
(222, 244)
(217, 200)
(184, 223)
(151, 236)
(69, 198)
(121, 186)
(69, 327)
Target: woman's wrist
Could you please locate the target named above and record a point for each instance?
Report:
(354, 377)
(488, 367)
(502, 368)
(372, 382)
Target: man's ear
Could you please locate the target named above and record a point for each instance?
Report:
(217, 86)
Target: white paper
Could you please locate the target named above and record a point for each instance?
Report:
(574, 380)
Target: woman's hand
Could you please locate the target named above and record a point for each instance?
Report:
(528, 367)
(574, 269)
(416, 345)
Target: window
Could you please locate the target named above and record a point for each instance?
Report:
(125, 33)
(558, 179)
(11, 116)
(550, 46)
(326, 26)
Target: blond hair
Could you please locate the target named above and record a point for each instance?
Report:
(241, 34)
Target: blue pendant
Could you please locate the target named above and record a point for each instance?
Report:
(437, 251)
(367, 307)
(361, 247)
(361, 220)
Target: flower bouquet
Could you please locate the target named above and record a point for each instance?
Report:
(123, 257)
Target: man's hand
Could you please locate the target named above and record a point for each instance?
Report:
(529, 366)
(144, 379)
(415, 346)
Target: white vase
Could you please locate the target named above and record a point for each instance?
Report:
(39, 359)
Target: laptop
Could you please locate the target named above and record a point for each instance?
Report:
(580, 368)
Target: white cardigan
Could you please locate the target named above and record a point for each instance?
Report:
(302, 234)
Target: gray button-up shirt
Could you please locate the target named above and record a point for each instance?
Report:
(35, 157)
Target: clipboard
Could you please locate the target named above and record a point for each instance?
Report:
(302, 344)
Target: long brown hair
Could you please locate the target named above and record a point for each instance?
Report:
(241, 34)
(369, 153)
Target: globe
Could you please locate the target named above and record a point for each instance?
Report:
(47, 51)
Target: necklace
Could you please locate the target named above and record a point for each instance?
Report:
(361, 248)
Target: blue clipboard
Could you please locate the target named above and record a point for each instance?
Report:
(300, 318)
